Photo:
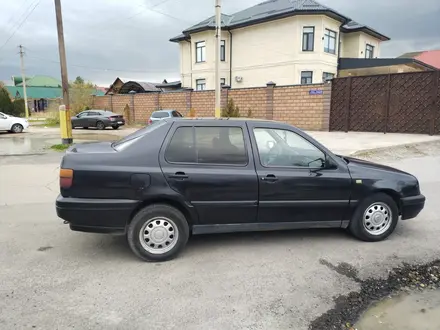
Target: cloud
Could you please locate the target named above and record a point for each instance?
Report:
(110, 38)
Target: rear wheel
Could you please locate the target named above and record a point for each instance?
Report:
(115, 126)
(375, 218)
(100, 125)
(158, 233)
(17, 128)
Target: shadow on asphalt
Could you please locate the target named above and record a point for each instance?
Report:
(116, 247)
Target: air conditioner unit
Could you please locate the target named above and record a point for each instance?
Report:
(238, 79)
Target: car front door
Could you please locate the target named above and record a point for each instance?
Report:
(212, 168)
(5, 123)
(80, 120)
(299, 181)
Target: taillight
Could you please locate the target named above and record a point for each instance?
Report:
(112, 118)
(66, 177)
(150, 121)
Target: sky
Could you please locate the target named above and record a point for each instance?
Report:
(106, 39)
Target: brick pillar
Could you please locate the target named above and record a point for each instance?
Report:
(269, 99)
(157, 101)
(326, 105)
(224, 96)
(188, 94)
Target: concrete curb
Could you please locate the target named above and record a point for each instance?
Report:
(392, 148)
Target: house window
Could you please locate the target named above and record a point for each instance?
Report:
(222, 81)
(369, 51)
(308, 39)
(306, 77)
(222, 51)
(330, 41)
(200, 51)
(200, 84)
(326, 76)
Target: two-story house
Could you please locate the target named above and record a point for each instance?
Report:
(285, 41)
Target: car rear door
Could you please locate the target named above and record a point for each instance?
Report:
(298, 181)
(212, 167)
(92, 118)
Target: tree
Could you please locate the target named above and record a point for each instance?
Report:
(81, 95)
(79, 81)
(231, 110)
(5, 101)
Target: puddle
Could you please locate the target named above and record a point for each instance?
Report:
(30, 144)
(404, 312)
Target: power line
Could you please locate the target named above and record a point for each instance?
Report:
(20, 25)
(11, 19)
(98, 69)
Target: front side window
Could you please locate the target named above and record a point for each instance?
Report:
(308, 39)
(200, 84)
(306, 77)
(277, 147)
(369, 51)
(330, 41)
(83, 114)
(223, 50)
(176, 114)
(207, 145)
(200, 51)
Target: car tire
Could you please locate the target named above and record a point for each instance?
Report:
(100, 125)
(115, 126)
(158, 232)
(375, 218)
(17, 128)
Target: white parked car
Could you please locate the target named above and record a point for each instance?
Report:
(12, 124)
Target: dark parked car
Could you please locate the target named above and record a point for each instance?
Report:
(98, 118)
(203, 176)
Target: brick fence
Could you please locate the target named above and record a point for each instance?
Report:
(307, 107)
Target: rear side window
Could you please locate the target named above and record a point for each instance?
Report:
(207, 145)
(160, 115)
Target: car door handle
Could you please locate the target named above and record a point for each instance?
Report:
(178, 175)
(269, 178)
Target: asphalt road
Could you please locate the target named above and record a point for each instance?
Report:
(53, 278)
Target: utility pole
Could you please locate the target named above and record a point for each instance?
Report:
(23, 76)
(65, 119)
(218, 36)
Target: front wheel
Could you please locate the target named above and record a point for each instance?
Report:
(158, 233)
(100, 125)
(375, 218)
(17, 128)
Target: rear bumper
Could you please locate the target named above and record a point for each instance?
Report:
(96, 215)
(116, 122)
(412, 206)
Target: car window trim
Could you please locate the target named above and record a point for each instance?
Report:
(287, 167)
(194, 140)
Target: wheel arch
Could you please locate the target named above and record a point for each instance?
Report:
(393, 194)
(190, 215)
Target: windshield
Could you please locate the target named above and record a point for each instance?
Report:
(137, 134)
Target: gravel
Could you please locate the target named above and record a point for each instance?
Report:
(349, 307)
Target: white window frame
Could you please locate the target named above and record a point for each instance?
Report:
(369, 51)
(311, 77)
(305, 37)
(223, 50)
(329, 36)
(200, 51)
(200, 84)
(325, 76)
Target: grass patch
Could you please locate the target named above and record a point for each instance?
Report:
(60, 147)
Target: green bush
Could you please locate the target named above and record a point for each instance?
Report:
(18, 109)
(231, 110)
(5, 101)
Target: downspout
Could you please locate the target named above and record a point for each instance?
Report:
(339, 46)
(190, 59)
(230, 58)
